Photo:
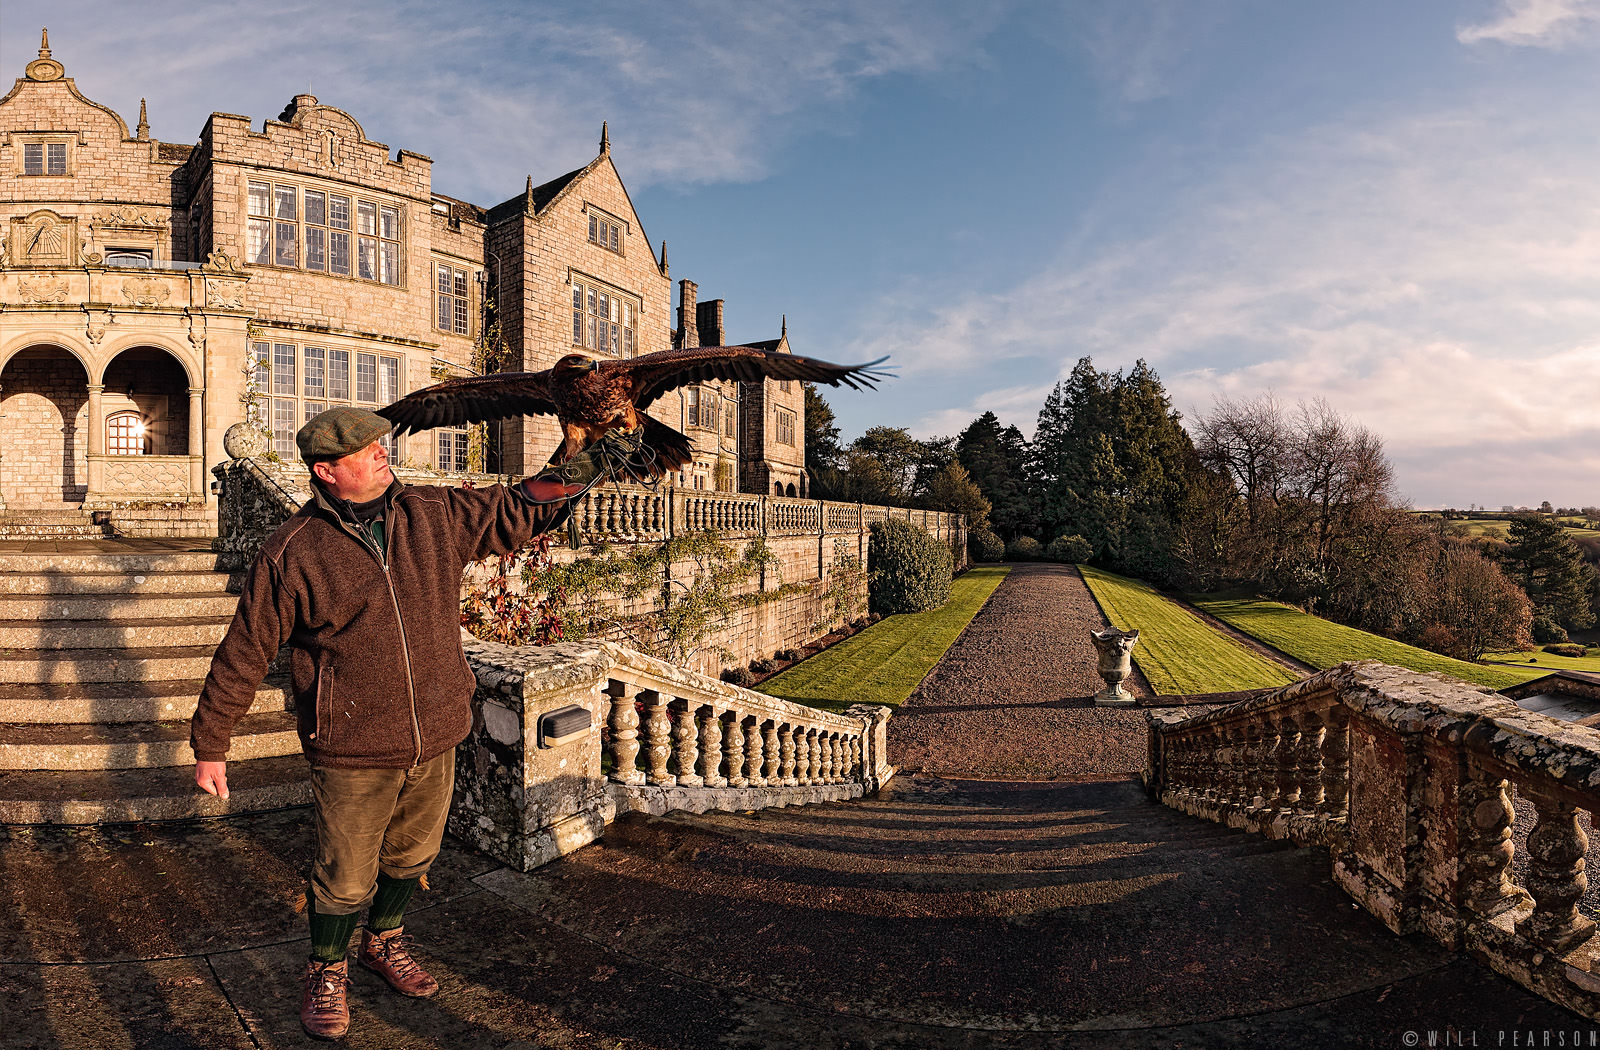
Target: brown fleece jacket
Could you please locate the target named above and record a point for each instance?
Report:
(379, 677)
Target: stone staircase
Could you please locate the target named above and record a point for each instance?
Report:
(104, 645)
(50, 524)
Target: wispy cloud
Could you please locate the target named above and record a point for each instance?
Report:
(1438, 276)
(1537, 23)
(698, 91)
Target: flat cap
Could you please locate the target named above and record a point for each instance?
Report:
(339, 432)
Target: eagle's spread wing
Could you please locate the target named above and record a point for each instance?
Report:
(472, 399)
(655, 374)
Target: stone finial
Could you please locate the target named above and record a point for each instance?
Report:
(605, 139)
(44, 67)
(144, 123)
(783, 329)
(1115, 650)
(527, 194)
(666, 271)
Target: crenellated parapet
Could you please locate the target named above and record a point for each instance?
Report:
(1412, 782)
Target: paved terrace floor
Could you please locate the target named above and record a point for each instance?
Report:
(953, 911)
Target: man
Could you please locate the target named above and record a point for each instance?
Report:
(364, 583)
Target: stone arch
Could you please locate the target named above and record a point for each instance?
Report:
(44, 416)
(47, 340)
(777, 488)
(791, 490)
(152, 381)
(148, 342)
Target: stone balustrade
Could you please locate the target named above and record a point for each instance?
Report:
(660, 738)
(1408, 780)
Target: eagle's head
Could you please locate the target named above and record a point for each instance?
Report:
(574, 365)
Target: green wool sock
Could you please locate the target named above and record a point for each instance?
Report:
(389, 903)
(330, 934)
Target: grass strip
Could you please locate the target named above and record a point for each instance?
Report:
(1323, 643)
(1179, 653)
(885, 663)
(1544, 663)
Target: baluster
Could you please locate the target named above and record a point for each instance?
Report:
(824, 758)
(1229, 768)
(1486, 847)
(814, 747)
(752, 755)
(855, 758)
(1556, 848)
(1336, 762)
(1252, 765)
(802, 756)
(711, 747)
(1211, 768)
(611, 514)
(841, 758)
(687, 751)
(658, 736)
(733, 747)
(773, 773)
(1288, 761)
(624, 734)
(1309, 762)
(787, 749)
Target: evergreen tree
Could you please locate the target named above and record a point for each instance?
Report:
(1541, 557)
(822, 433)
(996, 459)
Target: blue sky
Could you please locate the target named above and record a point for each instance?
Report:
(1392, 206)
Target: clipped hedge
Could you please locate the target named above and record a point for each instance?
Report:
(908, 570)
(1075, 549)
(1024, 548)
(983, 545)
(1546, 630)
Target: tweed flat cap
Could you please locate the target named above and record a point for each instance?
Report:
(339, 432)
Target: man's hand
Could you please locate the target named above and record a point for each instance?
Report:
(213, 777)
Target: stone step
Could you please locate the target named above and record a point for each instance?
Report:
(113, 633)
(53, 531)
(168, 793)
(115, 606)
(185, 581)
(94, 557)
(146, 664)
(137, 745)
(119, 701)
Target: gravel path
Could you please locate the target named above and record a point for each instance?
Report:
(1012, 697)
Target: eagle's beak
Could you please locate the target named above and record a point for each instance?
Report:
(594, 364)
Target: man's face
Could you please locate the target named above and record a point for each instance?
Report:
(358, 477)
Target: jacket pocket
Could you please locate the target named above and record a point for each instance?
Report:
(325, 702)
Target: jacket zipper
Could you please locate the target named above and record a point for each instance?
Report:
(405, 649)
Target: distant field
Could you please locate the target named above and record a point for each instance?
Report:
(1499, 526)
(1178, 652)
(1322, 643)
(1544, 663)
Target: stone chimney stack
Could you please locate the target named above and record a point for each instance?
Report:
(708, 316)
(688, 333)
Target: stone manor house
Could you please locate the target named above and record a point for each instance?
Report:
(152, 294)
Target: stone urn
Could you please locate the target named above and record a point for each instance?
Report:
(243, 441)
(1115, 649)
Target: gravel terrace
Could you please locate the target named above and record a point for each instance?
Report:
(1012, 699)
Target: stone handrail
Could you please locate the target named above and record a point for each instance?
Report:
(1407, 779)
(701, 744)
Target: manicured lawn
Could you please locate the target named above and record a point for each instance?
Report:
(1178, 652)
(1323, 643)
(886, 662)
(1544, 662)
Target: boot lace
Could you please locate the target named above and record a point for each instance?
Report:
(396, 953)
(327, 986)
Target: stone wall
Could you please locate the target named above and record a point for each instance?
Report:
(791, 603)
(44, 441)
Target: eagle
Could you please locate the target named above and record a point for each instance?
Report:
(591, 397)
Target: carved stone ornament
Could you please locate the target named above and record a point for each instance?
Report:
(224, 297)
(243, 441)
(220, 261)
(43, 290)
(1115, 649)
(44, 67)
(44, 240)
(124, 215)
(145, 291)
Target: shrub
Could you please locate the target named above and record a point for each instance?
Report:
(983, 545)
(907, 569)
(790, 655)
(1566, 649)
(1438, 638)
(1075, 549)
(1024, 548)
(763, 666)
(739, 676)
(1546, 630)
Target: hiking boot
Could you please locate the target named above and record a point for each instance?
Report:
(324, 1005)
(388, 955)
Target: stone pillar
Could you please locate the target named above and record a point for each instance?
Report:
(97, 442)
(1556, 848)
(711, 747)
(754, 758)
(1486, 849)
(733, 747)
(688, 745)
(197, 442)
(786, 769)
(658, 737)
(624, 734)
